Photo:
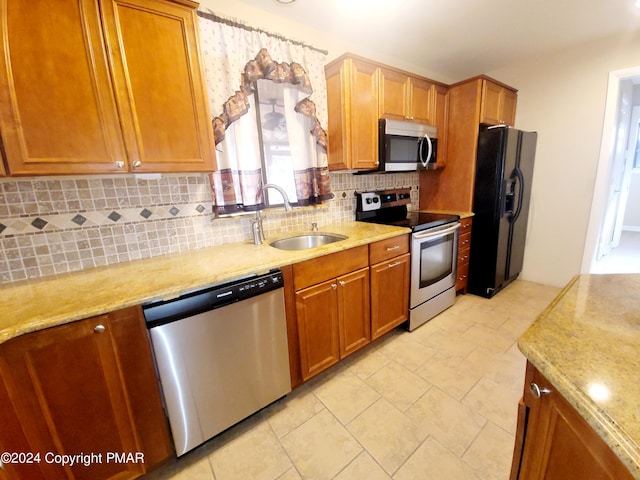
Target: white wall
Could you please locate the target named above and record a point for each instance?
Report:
(562, 96)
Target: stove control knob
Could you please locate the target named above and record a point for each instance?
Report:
(369, 201)
(376, 199)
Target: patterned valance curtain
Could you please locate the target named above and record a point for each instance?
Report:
(235, 57)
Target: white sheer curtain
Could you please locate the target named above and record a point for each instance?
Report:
(234, 57)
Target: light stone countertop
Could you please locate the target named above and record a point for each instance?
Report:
(37, 304)
(449, 212)
(587, 344)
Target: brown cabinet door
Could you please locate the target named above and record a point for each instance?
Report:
(389, 294)
(79, 388)
(509, 107)
(318, 327)
(364, 116)
(352, 101)
(58, 112)
(159, 85)
(558, 443)
(498, 104)
(394, 94)
(354, 311)
(422, 101)
(491, 103)
(441, 118)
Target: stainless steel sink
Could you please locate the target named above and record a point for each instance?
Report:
(310, 240)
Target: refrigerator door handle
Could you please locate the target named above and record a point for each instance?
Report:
(509, 197)
(520, 178)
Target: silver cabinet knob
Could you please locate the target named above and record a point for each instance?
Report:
(334, 286)
(342, 283)
(537, 391)
(120, 164)
(99, 328)
(136, 164)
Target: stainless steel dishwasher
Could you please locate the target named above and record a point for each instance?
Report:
(221, 355)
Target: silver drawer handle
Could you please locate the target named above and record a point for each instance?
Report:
(395, 247)
(395, 264)
(537, 391)
(99, 328)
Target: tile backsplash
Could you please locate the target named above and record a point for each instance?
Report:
(53, 225)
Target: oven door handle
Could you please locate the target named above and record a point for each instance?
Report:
(437, 233)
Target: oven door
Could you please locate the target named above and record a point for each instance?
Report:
(434, 255)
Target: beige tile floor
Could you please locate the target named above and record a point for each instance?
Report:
(436, 403)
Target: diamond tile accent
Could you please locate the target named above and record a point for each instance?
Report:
(79, 219)
(146, 213)
(174, 211)
(115, 216)
(2, 227)
(39, 223)
(200, 208)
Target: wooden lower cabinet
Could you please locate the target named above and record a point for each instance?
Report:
(464, 252)
(87, 387)
(333, 320)
(553, 442)
(389, 294)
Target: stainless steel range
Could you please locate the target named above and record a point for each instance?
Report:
(434, 249)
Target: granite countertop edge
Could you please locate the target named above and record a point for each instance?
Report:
(611, 432)
(37, 304)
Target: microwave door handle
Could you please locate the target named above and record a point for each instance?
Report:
(425, 159)
(429, 152)
(420, 156)
(437, 233)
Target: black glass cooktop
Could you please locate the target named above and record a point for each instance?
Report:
(417, 221)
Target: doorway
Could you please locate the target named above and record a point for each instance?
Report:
(613, 237)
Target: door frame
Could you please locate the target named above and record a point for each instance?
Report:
(605, 166)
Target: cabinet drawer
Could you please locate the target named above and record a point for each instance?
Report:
(465, 225)
(318, 270)
(464, 241)
(461, 279)
(463, 256)
(389, 248)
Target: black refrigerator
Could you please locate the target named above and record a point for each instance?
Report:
(504, 171)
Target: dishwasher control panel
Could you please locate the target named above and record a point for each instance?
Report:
(209, 298)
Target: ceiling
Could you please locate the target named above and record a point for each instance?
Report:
(460, 38)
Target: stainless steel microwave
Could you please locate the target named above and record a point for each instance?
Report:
(406, 146)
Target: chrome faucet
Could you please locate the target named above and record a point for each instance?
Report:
(256, 224)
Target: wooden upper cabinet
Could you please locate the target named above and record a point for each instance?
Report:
(498, 104)
(422, 106)
(59, 113)
(395, 94)
(159, 85)
(406, 97)
(97, 86)
(360, 92)
(352, 96)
